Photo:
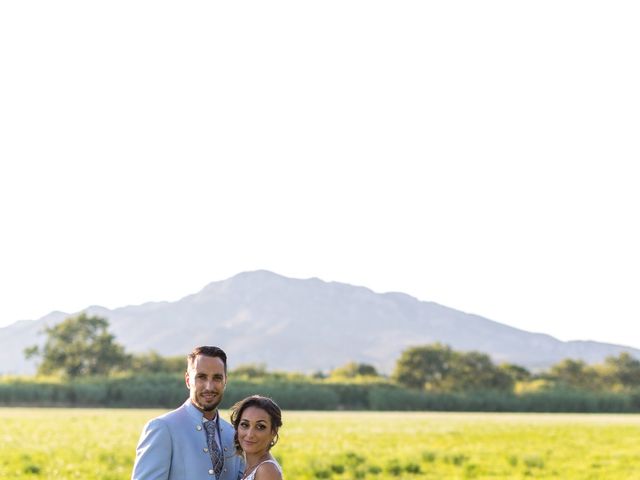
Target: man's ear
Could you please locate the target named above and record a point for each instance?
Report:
(186, 379)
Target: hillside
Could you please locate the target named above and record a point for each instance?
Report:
(306, 325)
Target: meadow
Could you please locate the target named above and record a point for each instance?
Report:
(100, 443)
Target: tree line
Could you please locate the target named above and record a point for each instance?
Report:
(90, 366)
(438, 368)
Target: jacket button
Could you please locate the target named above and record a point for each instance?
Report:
(199, 427)
(211, 471)
(205, 450)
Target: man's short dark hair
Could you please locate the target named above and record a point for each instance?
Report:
(207, 351)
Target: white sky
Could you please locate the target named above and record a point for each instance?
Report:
(476, 154)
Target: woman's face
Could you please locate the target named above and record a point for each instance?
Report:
(254, 430)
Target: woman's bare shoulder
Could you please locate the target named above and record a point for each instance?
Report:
(268, 471)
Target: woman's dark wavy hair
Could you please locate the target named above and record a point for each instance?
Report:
(258, 401)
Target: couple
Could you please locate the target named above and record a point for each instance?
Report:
(193, 442)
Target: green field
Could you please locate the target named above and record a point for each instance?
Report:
(100, 444)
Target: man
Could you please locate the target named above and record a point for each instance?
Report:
(192, 442)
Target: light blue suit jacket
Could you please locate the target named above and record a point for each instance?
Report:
(174, 447)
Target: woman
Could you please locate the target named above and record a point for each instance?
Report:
(257, 420)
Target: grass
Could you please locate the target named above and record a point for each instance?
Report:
(100, 444)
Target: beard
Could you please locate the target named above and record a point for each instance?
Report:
(207, 406)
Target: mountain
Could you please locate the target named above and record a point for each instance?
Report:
(306, 325)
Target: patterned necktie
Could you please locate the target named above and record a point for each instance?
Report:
(214, 449)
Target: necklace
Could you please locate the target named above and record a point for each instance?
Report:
(249, 470)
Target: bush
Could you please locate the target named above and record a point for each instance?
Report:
(168, 390)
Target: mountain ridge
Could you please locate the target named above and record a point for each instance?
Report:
(306, 325)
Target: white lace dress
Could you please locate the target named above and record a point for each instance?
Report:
(252, 475)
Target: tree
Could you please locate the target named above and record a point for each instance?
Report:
(423, 367)
(153, 362)
(575, 374)
(250, 371)
(354, 369)
(438, 368)
(475, 371)
(516, 372)
(622, 371)
(78, 346)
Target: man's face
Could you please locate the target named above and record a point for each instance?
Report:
(206, 381)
